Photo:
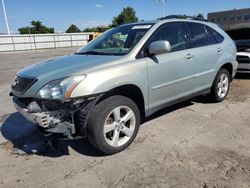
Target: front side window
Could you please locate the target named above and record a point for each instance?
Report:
(198, 35)
(117, 41)
(176, 33)
(242, 45)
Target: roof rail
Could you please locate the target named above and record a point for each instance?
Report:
(183, 17)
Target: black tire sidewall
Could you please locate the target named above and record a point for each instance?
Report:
(96, 126)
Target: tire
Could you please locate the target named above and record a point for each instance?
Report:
(110, 132)
(221, 86)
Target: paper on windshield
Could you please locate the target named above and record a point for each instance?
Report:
(141, 27)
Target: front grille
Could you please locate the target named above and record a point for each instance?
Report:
(243, 59)
(20, 84)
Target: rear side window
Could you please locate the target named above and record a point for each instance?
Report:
(199, 35)
(217, 36)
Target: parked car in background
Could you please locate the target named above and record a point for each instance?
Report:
(243, 55)
(106, 88)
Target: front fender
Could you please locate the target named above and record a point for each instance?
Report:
(101, 81)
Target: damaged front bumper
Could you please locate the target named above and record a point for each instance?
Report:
(55, 116)
(43, 119)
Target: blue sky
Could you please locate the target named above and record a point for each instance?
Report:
(61, 13)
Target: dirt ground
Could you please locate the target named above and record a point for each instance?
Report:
(192, 144)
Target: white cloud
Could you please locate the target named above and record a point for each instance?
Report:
(98, 6)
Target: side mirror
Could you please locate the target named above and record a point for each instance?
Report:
(159, 47)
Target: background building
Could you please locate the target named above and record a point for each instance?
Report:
(231, 19)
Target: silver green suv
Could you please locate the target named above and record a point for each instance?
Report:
(105, 89)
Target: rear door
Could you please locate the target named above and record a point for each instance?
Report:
(207, 53)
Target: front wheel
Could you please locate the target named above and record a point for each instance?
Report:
(221, 85)
(114, 124)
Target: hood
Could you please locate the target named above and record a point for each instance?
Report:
(62, 67)
(66, 66)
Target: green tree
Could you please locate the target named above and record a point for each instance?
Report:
(99, 29)
(90, 29)
(73, 29)
(200, 16)
(127, 15)
(36, 28)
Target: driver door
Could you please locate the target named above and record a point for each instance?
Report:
(170, 75)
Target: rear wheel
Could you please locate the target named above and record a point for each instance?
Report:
(114, 124)
(221, 85)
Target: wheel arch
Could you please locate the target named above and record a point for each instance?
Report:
(229, 67)
(131, 91)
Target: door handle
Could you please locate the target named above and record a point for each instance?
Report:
(219, 49)
(189, 56)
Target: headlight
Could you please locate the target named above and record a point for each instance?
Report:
(60, 89)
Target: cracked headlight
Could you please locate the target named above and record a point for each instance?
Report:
(60, 89)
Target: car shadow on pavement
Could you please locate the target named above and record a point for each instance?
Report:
(168, 110)
(26, 138)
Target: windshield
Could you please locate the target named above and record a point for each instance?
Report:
(242, 45)
(117, 41)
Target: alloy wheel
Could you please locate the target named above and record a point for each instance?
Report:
(223, 85)
(119, 126)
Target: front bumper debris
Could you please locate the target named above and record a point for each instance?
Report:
(54, 116)
(43, 119)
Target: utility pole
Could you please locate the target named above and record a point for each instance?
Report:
(163, 2)
(5, 16)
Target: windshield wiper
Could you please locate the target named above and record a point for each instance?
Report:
(90, 53)
(99, 53)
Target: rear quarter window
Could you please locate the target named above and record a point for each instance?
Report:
(218, 38)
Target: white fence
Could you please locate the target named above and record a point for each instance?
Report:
(42, 41)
